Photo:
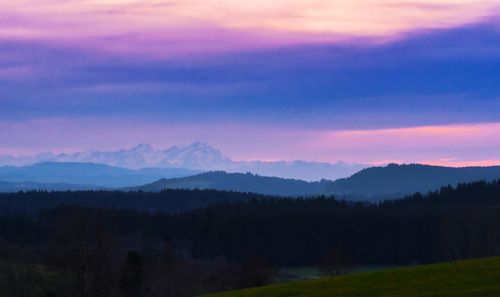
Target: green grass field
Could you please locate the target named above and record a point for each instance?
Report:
(456, 279)
(314, 272)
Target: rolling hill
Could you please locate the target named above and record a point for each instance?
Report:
(395, 180)
(375, 183)
(238, 182)
(455, 279)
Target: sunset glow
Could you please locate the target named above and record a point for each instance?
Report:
(362, 81)
(165, 27)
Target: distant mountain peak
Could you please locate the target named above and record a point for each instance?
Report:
(205, 147)
(143, 148)
(197, 156)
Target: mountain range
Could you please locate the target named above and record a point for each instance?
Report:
(238, 182)
(375, 183)
(92, 175)
(195, 157)
(200, 166)
(395, 180)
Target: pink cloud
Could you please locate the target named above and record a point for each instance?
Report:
(165, 28)
(430, 144)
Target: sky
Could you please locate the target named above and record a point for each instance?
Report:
(364, 81)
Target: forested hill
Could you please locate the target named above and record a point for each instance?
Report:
(240, 182)
(399, 180)
(372, 184)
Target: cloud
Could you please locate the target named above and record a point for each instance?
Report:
(439, 77)
(170, 28)
(364, 81)
(445, 145)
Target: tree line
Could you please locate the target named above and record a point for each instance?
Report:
(113, 250)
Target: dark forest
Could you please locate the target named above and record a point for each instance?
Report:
(104, 244)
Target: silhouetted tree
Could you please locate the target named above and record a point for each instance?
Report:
(132, 276)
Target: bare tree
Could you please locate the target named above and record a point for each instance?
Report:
(83, 248)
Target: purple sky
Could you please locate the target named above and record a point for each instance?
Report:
(367, 81)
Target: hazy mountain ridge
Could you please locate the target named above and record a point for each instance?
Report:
(197, 157)
(396, 180)
(87, 173)
(375, 183)
(11, 187)
(239, 182)
(309, 171)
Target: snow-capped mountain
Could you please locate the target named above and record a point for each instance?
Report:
(197, 156)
